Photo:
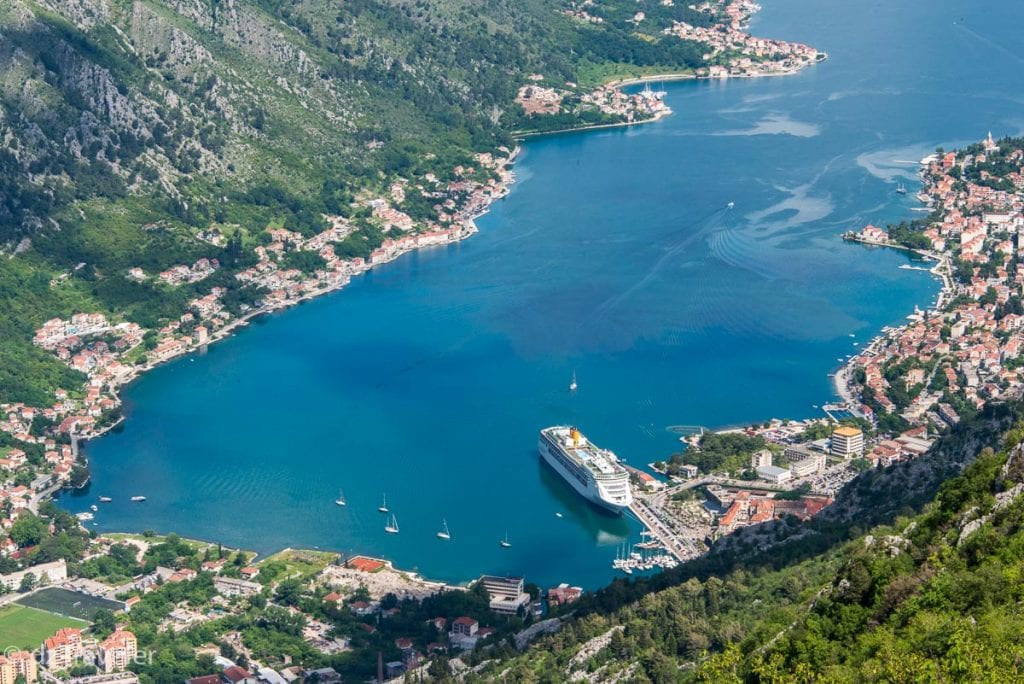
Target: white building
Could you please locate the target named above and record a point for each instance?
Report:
(761, 459)
(57, 571)
(773, 474)
(847, 441)
(506, 594)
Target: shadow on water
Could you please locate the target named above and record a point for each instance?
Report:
(605, 527)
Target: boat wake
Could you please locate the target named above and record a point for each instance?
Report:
(704, 225)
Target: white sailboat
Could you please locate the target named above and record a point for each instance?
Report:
(444, 533)
(392, 526)
(573, 385)
(505, 543)
(341, 499)
(383, 508)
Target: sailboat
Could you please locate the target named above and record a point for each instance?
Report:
(901, 189)
(392, 526)
(505, 543)
(383, 508)
(573, 385)
(444, 533)
(341, 499)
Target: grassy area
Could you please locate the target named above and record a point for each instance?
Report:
(299, 562)
(593, 75)
(25, 628)
(65, 604)
(198, 544)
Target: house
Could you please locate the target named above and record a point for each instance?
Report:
(563, 594)
(117, 651)
(205, 679)
(229, 586)
(237, 675)
(465, 626)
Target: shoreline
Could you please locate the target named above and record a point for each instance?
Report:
(595, 127)
(656, 78)
(468, 229)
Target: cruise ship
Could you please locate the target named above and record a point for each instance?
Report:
(593, 472)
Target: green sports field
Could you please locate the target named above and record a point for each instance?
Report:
(70, 603)
(25, 628)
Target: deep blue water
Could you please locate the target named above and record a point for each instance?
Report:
(615, 256)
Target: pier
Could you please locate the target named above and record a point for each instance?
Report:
(676, 547)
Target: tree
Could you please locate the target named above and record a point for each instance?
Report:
(28, 582)
(289, 592)
(28, 530)
(103, 622)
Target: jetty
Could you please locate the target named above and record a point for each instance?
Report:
(659, 530)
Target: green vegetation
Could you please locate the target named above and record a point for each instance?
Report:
(727, 451)
(23, 627)
(931, 594)
(134, 127)
(909, 234)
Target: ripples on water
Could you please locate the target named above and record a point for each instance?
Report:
(614, 257)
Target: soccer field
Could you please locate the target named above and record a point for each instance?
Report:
(22, 627)
(70, 603)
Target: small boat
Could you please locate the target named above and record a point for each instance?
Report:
(94, 508)
(105, 499)
(383, 508)
(573, 385)
(84, 516)
(341, 499)
(392, 526)
(901, 189)
(505, 543)
(444, 533)
(730, 205)
(558, 515)
(138, 499)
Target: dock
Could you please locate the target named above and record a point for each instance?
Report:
(659, 530)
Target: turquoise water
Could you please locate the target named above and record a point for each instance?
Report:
(616, 256)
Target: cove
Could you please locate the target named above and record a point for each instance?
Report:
(617, 257)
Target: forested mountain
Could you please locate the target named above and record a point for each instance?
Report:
(113, 97)
(130, 126)
(909, 578)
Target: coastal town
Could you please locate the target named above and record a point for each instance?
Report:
(736, 53)
(899, 392)
(949, 360)
(107, 597)
(731, 52)
(331, 605)
(112, 353)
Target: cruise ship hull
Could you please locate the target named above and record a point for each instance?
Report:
(591, 490)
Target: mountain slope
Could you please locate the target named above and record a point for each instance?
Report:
(932, 594)
(131, 126)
